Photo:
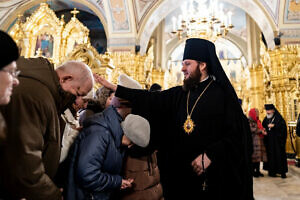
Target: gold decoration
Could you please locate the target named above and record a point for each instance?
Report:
(136, 66)
(71, 42)
(189, 125)
(43, 34)
(74, 33)
(281, 86)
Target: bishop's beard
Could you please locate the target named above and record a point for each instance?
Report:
(191, 82)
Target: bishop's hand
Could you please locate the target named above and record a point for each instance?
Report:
(99, 79)
(197, 164)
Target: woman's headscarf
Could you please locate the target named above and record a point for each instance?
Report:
(253, 113)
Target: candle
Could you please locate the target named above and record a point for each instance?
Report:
(174, 24)
(229, 18)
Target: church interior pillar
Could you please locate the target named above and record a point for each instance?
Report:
(255, 68)
(159, 46)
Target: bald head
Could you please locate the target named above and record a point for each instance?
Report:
(75, 77)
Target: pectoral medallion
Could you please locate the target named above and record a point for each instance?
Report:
(188, 125)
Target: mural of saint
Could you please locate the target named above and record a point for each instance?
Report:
(293, 10)
(44, 43)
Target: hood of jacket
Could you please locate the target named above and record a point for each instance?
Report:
(43, 71)
(109, 119)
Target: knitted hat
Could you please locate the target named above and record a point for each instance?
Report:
(10, 51)
(128, 82)
(102, 95)
(137, 129)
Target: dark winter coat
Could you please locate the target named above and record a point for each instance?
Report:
(31, 155)
(96, 158)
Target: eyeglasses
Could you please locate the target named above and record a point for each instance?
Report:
(14, 74)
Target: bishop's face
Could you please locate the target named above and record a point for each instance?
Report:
(189, 68)
(192, 74)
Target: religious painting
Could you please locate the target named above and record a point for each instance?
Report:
(44, 44)
(292, 11)
(119, 15)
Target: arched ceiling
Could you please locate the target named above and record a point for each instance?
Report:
(166, 7)
(132, 22)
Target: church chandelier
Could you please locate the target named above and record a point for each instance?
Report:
(201, 21)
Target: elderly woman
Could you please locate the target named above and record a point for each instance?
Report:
(259, 149)
(8, 73)
(8, 80)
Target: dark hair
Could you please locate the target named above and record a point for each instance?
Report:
(155, 87)
(208, 68)
(94, 105)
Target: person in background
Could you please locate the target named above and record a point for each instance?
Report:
(298, 126)
(155, 87)
(32, 151)
(102, 100)
(72, 126)
(8, 80)
(8, 75)
(259, 149)
(275, 141)
(140, 164)
(97, 154)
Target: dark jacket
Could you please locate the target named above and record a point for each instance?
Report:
(96, 158)
(30, 158)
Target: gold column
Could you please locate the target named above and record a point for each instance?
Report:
(106, 66)
(158, 76)
(257, 88)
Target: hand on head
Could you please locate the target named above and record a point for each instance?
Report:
(99, 79)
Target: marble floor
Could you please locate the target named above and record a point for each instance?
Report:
(276, 188)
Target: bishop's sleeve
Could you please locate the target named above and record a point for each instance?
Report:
(150, 105)
(154, 106)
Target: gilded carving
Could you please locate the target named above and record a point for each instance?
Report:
(281, 87)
